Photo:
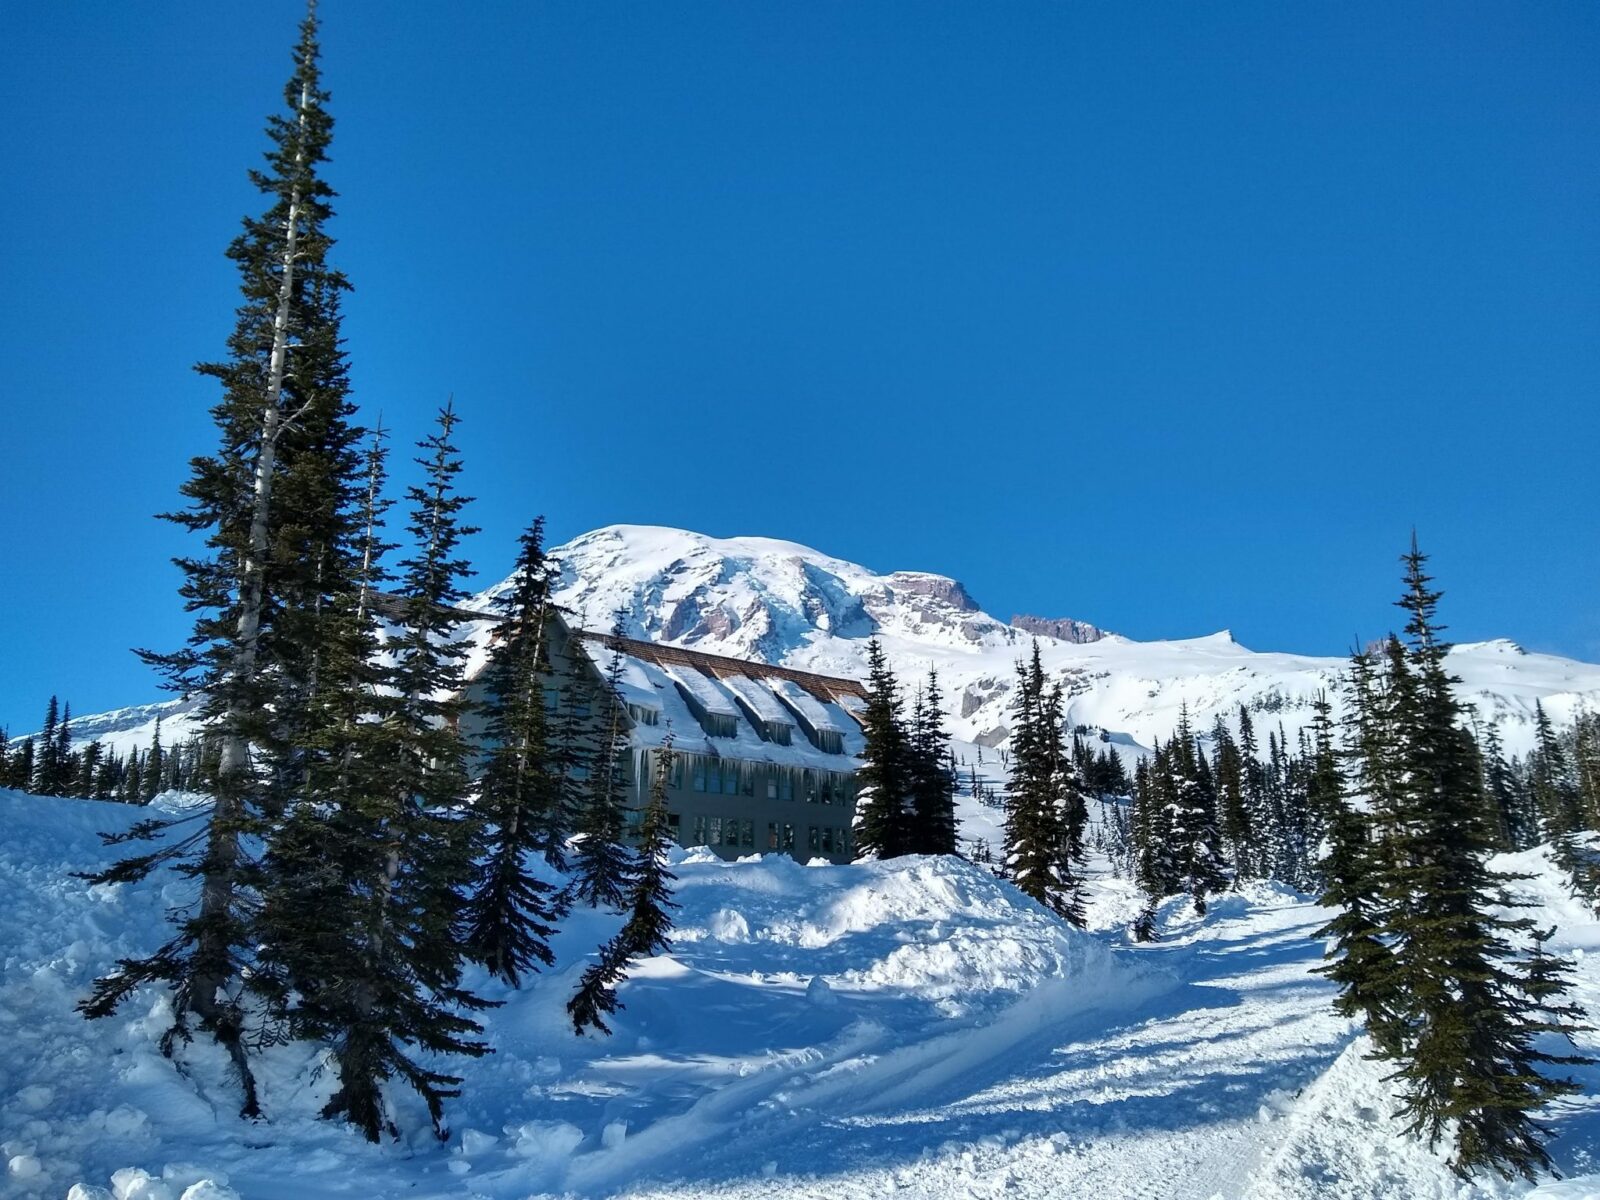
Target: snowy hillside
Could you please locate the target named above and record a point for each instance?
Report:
(787, 604)
(914, 1027)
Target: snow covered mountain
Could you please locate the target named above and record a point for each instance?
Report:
(788, 604)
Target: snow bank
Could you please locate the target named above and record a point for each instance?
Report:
(795, 989)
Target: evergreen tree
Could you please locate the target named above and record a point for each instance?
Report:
(602, 864)
(932, 784)
(1192, 805)
(107, 778)
(1324, 783)
(1045, 811)
(883, 781)
(1359, 960)
(1233, 810)
(65, 762)
(1555, 789)
(317, 874)
(405, 839)
(649, 906)
(1466, 1010)
(23, 766)
(154, 764)
(1513, 825)
(1153, 867)
(45, 778)
(283, 401)
(512, 912)
(1558, 798)
(88, 771)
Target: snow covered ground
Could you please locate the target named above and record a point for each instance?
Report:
(913, 1028)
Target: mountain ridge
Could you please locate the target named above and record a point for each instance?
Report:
(791, 605)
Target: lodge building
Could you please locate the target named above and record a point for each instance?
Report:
(764, 757)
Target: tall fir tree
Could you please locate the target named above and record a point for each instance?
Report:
(283, 397)
(1359, 960)
(649, 907)
(317, 870)
(45, 778)
(932, 785)
(1044, 798)
(883, 781)
(1192, 805)
(411, 848)
(1234, 822)
(512, 912)
(601, 865)
(1467, 1003)
(154, 761)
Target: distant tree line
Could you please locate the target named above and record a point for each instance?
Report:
(51, 764)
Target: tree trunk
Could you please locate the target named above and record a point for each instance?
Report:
(212, 953)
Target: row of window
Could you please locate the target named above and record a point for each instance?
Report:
(740, 834)
(710, 775)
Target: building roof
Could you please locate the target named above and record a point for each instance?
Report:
(724, 707)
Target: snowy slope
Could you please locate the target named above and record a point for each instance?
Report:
(786, 603)
(821, 1033)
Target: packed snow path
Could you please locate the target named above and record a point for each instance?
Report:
(911, 1028)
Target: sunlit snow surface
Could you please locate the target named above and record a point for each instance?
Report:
(913, 1028)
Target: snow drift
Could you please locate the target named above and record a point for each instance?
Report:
(792, 993)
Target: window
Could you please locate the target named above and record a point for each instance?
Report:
(811, 787)
(772, 835)
(677, 771)
(827, 840)
(788, 836)
(699, 774)
(747, 835)
(814, 840)
(747, 781)
(772, 785)
(730, 779)
(675, 827)
(785, 785)
(713, 776)
(730, 836)
(699, 838)
(716, 832)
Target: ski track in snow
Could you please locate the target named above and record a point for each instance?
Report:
(913, 1029)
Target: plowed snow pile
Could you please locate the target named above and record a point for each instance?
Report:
(915, 1027)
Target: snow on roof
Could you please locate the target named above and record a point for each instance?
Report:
(815, 713)
(760, 699)
(654, 686)
(680, 685)
(706, 691)
(635, 683)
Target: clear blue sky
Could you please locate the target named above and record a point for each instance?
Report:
(1171, 317)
